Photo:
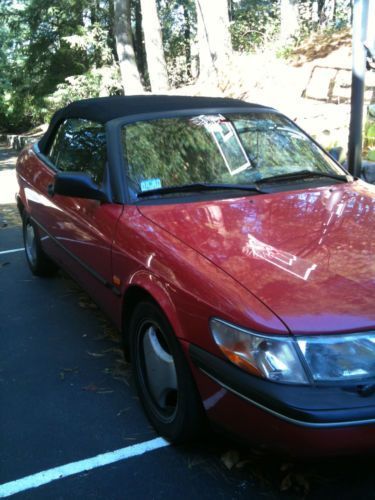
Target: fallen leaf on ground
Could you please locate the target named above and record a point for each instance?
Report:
(297, 482)
(64, 371)
(286, 466)
(90, 388)
(121, 412)
(95, 354)
(116, 350)
(96, 389)
(230, 458)
(109, 331)
(286, 483)
(192, 462)
(242, 463)
(85, 304)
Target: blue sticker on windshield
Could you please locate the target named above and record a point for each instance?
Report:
(149, 184)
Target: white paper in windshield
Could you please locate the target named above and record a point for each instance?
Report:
(227, 141)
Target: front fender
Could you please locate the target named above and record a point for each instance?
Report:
(161, 292)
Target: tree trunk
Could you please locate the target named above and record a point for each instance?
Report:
(110, 25)
(138, 38)
(131, 81)
(157, 67)
(95, 12)
(230, 10)
(187, 34)
(289, 20)
(215, 47)
(327, 13)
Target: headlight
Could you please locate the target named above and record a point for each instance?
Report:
(328, 358)
(339, 357)
(273, 358)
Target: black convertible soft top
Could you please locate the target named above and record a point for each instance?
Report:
(105, 109)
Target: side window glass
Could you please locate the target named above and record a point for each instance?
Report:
(80, 146)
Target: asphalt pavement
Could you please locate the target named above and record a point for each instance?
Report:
(67, 395)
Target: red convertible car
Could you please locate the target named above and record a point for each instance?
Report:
(234, 254)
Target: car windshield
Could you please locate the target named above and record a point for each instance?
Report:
(235, 149)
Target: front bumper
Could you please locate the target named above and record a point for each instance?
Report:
(295, 418)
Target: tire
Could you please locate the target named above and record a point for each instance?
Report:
(164, 382)
(39, 263)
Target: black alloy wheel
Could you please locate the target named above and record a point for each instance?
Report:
(39, 263)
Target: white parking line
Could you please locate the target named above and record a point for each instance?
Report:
(49, 475)
(12, 251)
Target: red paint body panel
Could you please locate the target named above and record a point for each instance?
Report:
(307, 255)
(189, 287)
(85, 228)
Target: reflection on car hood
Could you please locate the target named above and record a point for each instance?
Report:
(308, 255)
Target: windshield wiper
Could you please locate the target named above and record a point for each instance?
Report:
(199, 187)
(302, 174)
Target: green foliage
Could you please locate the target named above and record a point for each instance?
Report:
(322, 16)
(52, 52)
(94, 83)
(254, 23)
(286, 51)
(179, 27)
(369, 138)
(52, 46)
(11, 62)
(101, 79)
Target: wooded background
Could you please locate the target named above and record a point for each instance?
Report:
(53, 52)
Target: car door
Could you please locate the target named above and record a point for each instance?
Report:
(84, 229)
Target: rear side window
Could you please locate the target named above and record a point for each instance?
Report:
(80, 146)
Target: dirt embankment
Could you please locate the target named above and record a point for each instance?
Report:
(19, 141)
(312, 85)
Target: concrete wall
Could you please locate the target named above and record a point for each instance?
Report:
(18, 142)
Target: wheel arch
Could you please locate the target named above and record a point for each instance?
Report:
(20, 205)
(145, 289)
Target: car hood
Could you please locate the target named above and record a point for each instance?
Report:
(307, 254)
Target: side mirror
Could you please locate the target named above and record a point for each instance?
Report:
(76, 184)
